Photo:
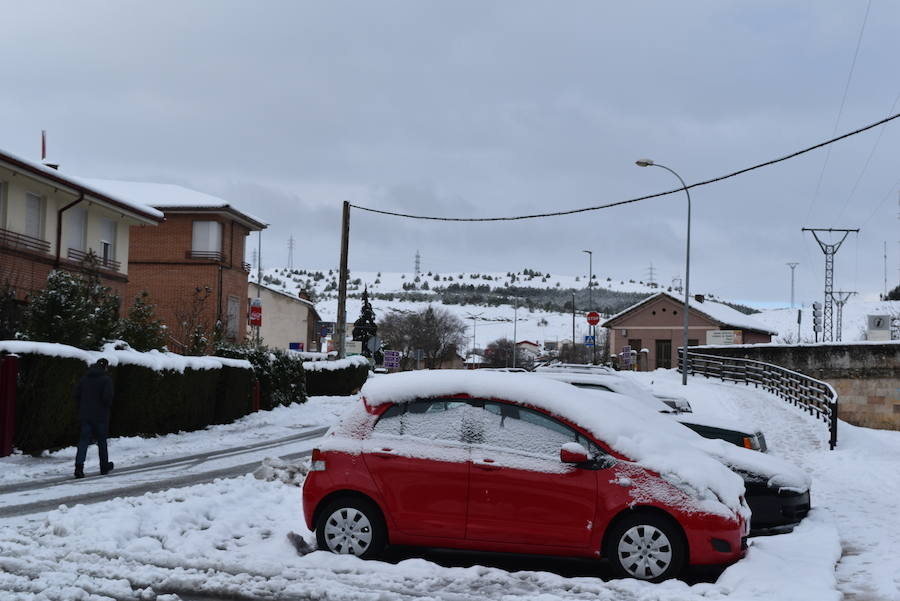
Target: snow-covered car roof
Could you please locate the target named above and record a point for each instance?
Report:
(650, 440)
(614, 383)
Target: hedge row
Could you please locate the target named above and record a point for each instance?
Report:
(147, 402)
(280, 373)
(342, 377)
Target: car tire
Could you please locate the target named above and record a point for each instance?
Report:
(351, 526)
(646, 546)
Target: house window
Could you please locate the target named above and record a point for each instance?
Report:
(635, 344)
(76, 230)
(34, 216)
(107, 240)
(207, 237)
(231, 321)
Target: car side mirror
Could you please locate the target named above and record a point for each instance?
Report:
(573, 452)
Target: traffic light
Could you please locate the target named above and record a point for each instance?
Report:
(817, 317)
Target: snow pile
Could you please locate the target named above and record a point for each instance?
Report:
(652, 440)
(354, 361)
(119, 353)
(289, 472)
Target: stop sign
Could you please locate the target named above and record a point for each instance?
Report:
(593, 318)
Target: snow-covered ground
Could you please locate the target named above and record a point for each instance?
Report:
(229, 538)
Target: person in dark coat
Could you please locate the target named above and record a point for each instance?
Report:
(94, 396)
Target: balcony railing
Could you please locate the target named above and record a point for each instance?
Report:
(82, 257)
(10, 239)
(209, 255)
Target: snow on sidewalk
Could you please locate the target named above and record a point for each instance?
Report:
(129, 451)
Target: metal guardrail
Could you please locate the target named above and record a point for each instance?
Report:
(81, 256)
(209, 255)
(11, 239)
(816, 397)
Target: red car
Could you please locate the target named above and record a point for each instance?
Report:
(480, 473)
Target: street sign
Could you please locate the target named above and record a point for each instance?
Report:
(588, 341)
(373, 344)
(326, 328)
(626, 356)
(392, 359)
(593, 318)
(353, 347)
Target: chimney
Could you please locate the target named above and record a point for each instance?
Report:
(44, 160)
(699, 298)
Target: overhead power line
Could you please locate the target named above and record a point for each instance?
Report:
(837, 119)
(640, 198)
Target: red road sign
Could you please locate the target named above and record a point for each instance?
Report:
(593, 318)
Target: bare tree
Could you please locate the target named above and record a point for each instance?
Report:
(435, 331)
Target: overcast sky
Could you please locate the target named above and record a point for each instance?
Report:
(482, 109)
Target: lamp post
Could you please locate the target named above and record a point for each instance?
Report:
(687, 267)
(515, 339)
(593, 330)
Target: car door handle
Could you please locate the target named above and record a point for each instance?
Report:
(486, 464)
(385, 452)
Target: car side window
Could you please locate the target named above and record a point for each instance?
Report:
(523, 429)
(434, 419)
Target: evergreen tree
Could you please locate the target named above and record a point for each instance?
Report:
(141, 329)
(74, 309)
(365, 327)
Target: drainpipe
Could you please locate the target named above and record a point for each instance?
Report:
(59, 214)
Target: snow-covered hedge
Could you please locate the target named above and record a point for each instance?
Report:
(341, 377)
(281, 376)
(155, 393)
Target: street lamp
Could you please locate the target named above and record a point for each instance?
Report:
(687, 267)
(590, 255)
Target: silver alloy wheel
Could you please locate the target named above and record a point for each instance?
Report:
(644, 551)
(348, 531)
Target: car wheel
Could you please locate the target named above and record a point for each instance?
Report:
(647, 547)
(351, 526)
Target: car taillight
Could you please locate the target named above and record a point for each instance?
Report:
(318, 461)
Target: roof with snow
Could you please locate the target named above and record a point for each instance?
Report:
(171, 198)
(718, 312)
(80, 186)
(284, 292)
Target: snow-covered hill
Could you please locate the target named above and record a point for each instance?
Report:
(536, 324)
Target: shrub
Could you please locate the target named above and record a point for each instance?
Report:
(147, 402)
(280, 373)
(342, 377)
(141, 329)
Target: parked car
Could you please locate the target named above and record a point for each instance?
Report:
(778, 493)
(510, 463)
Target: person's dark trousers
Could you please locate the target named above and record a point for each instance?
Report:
(99, 431)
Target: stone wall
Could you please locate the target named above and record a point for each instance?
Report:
(865, 375)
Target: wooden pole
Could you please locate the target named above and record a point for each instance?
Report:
(341, 324)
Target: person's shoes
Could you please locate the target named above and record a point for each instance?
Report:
(107, 468)
(79, 471)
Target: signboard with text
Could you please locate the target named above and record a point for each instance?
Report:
(255, 312)
(392, 359)
(724, 337)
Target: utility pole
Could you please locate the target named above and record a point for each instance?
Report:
(885, 270)
(593, 330)
(291, 252)
(258, 280)
(341, 325)
(793, 266)
(840, 299)
(573, 327)
(830, 250)
(515, 334)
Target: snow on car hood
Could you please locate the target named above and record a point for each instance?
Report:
(650, 440)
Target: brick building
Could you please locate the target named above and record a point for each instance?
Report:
(656, 324)
(49, 220)
(193, 265)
